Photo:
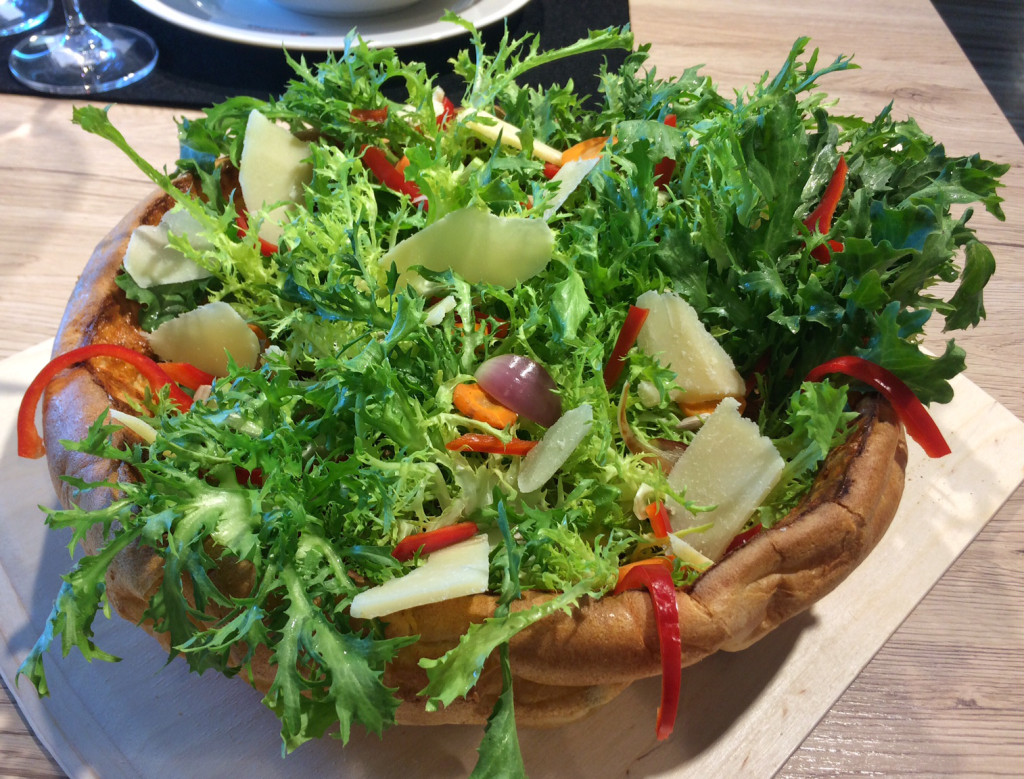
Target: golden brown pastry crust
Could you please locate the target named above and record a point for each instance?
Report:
(568, 664)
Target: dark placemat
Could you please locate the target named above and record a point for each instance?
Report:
(196, 70)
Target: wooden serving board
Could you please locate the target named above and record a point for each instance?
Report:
(740, 714)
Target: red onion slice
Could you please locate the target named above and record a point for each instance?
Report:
(523, 385)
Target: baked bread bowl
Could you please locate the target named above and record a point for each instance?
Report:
(565, 665)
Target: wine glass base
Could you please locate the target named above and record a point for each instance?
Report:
(93, 59)
(20, 15)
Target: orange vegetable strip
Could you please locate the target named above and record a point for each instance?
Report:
(660, 523)
(624, 570)
(489, 444)
(473, 402)
(585, 150)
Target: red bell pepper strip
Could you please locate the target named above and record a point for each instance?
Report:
(820, 219)
(664, 169)
(915, 417)
(370, 114)
(635, 319)
(187, 375)
(741, 538)
(432, 540)
(661, 526)
(655, 577)
(448, 111)
(389, 175)
(551, 170)
(267, 249)
(30, 443)
(489, 444)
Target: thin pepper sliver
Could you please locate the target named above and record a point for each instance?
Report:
(635, 319)
(820, 219)
(432, 540)
(911, 411)
(30, 443)
(656, 578)
(489, 444)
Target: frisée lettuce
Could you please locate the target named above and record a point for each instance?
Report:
(313, 465)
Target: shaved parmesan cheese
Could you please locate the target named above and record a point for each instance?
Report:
(687, 554)
(730, 466)
(491, 128)
(205, 337)
(550, 454)
(675, 336)
(569, 177)
(437, 312)
(458, 570)
(151, 261)
(140, 427)
(479, 246)
(272, 169)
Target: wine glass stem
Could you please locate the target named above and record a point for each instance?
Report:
(76, 23)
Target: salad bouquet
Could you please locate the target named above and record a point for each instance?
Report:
(516, 348)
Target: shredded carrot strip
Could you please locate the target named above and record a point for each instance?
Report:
(473, 402)
(624, 570)
(706, 406)
(585, 150)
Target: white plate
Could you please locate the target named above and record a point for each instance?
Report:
(263, 23)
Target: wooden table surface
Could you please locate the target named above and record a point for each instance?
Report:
(945, 695)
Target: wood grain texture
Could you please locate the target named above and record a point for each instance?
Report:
(945, 696)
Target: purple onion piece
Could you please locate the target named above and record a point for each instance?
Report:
(522, 385)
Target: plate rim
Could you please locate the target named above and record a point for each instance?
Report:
(480, 12)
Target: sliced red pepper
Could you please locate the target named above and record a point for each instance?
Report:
(820, 219)
(664, 169)
(742, 538)
(432, 540)
(489, 444)
(661, 525)
(30, 443)
(635, 319)
(551, 170)
(657, 579)
(370, 114)
(187, 375)
(448, 112)
(389, 175)
(915, 417)
(267, 249)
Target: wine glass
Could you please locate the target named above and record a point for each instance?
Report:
(82, 59)
(20, 15)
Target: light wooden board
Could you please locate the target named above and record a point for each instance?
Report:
(741, 713)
